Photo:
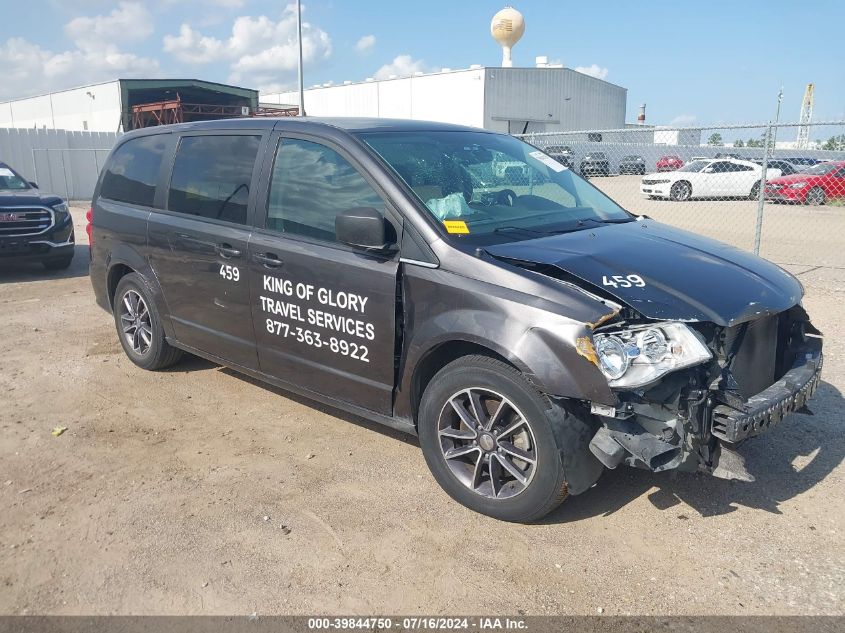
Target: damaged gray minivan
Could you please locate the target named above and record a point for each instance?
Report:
(452, 283)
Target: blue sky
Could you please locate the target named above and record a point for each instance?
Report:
(692, 63)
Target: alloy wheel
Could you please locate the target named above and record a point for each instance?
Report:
(815, 197)
(487, 443)
(680, 191)
(135, 322)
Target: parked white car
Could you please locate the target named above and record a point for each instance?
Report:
(708, 178)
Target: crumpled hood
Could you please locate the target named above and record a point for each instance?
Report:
(687, 277)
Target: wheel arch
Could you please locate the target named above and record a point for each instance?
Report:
(125, 261)
(440, 355)
(680, 181)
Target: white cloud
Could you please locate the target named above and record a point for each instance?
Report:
(30, 69)
(129, 21)
(683, 119)
(401, 66)
(365, 44)
(593, 70)
(192, 47)
(259, 50)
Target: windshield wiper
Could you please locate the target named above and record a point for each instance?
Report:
(617, 221)
(502, 229)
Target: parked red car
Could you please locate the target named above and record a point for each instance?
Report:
(817, 185)
(669, 163)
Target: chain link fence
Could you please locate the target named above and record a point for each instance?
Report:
(752, 186)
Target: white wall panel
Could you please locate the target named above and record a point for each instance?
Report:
(96, 107)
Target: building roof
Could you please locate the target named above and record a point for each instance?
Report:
(448, 71)
(136, 84)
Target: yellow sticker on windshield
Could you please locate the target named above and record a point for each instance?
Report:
(456, 226)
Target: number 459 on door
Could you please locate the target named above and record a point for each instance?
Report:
(230, 273)
(623, 281)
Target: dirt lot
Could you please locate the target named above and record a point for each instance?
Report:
(199, 491)
(791, 234)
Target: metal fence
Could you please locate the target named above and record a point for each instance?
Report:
(751, 186)
(63, 162)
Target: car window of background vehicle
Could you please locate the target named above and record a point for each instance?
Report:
(11, 181)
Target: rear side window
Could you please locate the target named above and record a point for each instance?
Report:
(133, 170)
(212, 175)
(311, 184)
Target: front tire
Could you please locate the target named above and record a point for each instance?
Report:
(487, 437)
(680, 191)
(138, 324)
(815, 196)
(755, 191)
(60, 263)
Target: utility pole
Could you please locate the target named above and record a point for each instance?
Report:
(299, 44)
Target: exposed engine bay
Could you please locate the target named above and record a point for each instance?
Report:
(692, 418)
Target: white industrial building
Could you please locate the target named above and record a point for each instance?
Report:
(515, 100)
(108, 106)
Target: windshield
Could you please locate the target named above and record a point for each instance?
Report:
(489, 188)
(9, 180)
(821, 169)
(696, 165)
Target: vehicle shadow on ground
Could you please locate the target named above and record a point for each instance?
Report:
(17, 272)
(195, 363)
(786, 461)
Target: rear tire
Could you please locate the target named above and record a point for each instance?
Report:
(483, 471)
(680, 191)
(815, 196)
(755, 191)
(60, 263)
(138, 324)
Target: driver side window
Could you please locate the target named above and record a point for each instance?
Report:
(310, 185)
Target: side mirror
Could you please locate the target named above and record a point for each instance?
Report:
(362, 227)
(32, 183)
(709, 170)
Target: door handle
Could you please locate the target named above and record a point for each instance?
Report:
(226, 250)
(270, 260)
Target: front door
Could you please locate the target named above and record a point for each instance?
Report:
(199, 244)
(324, 313)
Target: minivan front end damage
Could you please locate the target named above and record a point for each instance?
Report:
(693, 417)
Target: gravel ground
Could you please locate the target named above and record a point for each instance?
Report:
(791, 234)
(199, 491)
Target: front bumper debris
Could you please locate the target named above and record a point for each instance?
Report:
(713, 424)
(766, 409)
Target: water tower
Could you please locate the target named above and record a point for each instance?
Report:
(507, 27)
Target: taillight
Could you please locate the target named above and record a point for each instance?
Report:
(89, 216)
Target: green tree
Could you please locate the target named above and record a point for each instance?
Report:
(715, 139)
(739, 143)
(834, 143)
(754, 142)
